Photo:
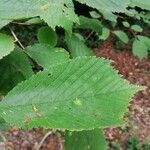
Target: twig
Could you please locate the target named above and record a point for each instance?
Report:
(89, 35)
(3, 137)
(44, 138)
(16, 39)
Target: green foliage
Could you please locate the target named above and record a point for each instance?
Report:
(82, 93)
(122, 36)
(136, 28)
(126, 24)
(53, 101)
(6, 45)
(76, 46)
(46, 56)
(54, 13)
(14, 68)
(48, 36)
(93, 140)
(93, 24)
(141, 46)
(105, 33)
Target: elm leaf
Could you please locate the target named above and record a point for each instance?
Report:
(83, 93)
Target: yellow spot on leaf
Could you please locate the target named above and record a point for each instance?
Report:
(77, 102)
(34, 108)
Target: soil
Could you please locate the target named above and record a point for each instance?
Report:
(137, 72)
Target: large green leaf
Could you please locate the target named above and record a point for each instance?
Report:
(13, 69)
(6, 45)
(76, 46)
(85, 140)
(55, 13)
(83, 93)
(46, 56)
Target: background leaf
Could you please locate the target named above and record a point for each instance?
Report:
(54, 13)
(14, 68)
(77, 46)
(47, 35)
(93, 24)
(139, 49)
(122, 36)
(6, 45)
(46, 56)
(136, 28)
(85, 140)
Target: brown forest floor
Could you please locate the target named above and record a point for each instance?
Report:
(137, 72)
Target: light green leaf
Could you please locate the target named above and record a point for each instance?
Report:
(46, 56)
(6, 45)
(122, 36)
(3, 125)
(145, 40)
(77, 46)
(14, 68)
(94, 14)
(85, 140)
(54, 13)
(144, 4)
(83, 93)
(139, 49)
(136, 28)
(126, 24)
(33, 21)
(93, 24)
(47, 35)
(105, 33)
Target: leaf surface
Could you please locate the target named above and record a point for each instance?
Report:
(107, 7)
(6, 45)
(46, 56)
(13, 69)
(47, 35)
(77, 46)
(122, 36)
(54, 13)
(83, 93)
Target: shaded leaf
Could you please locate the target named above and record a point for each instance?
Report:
(46, 56)
(77, 46)
(14, 68)
(93, 24)
(85, 140)
(47, 35)
(6, 45)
